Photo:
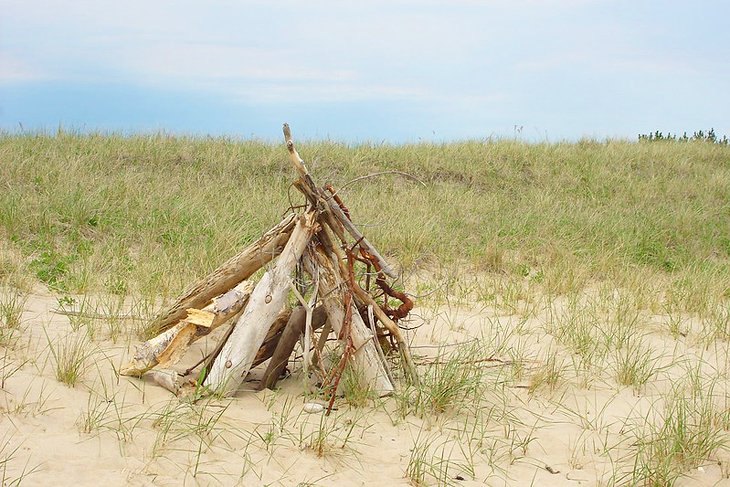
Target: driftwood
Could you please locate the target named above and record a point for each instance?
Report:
(331, 211)
(366, 359)
(233, 271)
(366, 300)
(336, 221)
(288, 340)
(266, 301)
(325, 242)
(266, 350)
(167, 348)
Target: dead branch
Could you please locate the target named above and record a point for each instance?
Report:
(236, 269)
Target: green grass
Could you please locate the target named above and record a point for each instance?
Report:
(592, 273)
(147, 213)
(70, 357)
(12, 303)
(686, 433)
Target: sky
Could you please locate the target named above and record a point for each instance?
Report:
(378, 71)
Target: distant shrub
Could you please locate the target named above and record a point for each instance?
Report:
(700, 136)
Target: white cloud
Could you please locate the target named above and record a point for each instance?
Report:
(316, 50)
(468, 58)
(14, 70)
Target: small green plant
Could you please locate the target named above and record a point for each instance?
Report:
(78, 311)
(357, 392)
(331, 434)
(448, 382)
(548, 375)
(12, 304)
(716, 323)
(184, 421)
(635, 365)
(676, 323)
(112, 308)
(70, 355)
(94, 417)
(430, 461)
(578, 329)
(52, 267)
(8, 368)
(682, 436)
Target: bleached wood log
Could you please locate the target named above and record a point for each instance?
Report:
(167, 348)
(331, 286)
(267, 299)
(236, 269)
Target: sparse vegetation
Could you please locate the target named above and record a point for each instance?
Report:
(698, 136)
(573, 307)
(70, 356)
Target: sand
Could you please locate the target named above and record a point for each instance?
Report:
(111, 431)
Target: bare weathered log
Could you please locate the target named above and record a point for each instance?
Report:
(266, 349)
(332, 287)
(267, 299)
(167, 348)
(235, 270)
(288, 340)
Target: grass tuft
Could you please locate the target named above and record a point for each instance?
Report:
(448, 382)
(12, 304)
(70, 357)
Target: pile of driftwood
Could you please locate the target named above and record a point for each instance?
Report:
(319, 257)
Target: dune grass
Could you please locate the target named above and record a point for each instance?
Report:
(147, 213)
(598, 269)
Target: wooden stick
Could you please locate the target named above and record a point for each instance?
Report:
(294, 329)
(233, 271)
(267, 300)
(366, 300)
(331, 209)
(360, 238)
(323, 335)
(371, 322)
(167, 348)
(331, 287)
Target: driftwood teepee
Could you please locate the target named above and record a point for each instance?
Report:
(322, 243)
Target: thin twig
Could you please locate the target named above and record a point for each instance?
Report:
(475, 361)
(378, 347)
(97, 316)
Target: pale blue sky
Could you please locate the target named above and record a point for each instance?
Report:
(379, 70)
